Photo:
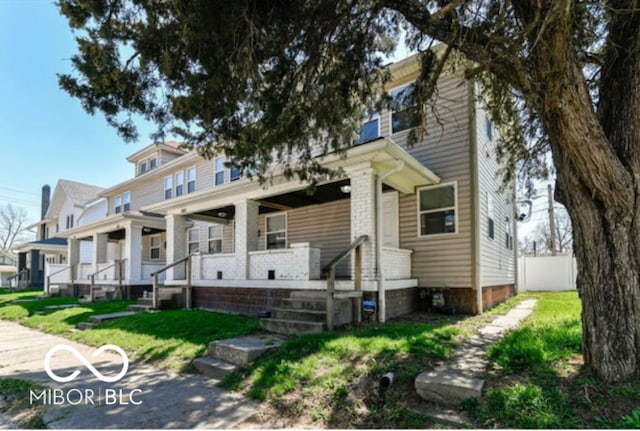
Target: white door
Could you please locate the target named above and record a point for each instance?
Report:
(390, 227)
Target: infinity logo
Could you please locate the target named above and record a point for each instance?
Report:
(100, 376)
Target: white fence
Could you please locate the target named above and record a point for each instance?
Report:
(547, 272)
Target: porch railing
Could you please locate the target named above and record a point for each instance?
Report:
(50, 277)
(22, 278)
(356, 294)
(118, 265)
(156, 285)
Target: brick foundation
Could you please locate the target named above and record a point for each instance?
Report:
(494, 295)
(238, 300)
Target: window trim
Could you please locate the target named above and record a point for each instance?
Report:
(286, 230)
(391, 110)
(151, 247)
(456, 209)
(210, 239)
(187, 181)
(197, 229)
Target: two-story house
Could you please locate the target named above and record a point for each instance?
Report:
(433, 215)
(59, 212)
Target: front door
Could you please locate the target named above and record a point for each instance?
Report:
(390, 228)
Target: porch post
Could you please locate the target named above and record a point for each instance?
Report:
(133, 253)
(246, 235)
(363, 218)
(99, 249)
(176, 244)
(73, 253)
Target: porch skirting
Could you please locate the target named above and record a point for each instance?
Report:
(237, 299)
(462, 300)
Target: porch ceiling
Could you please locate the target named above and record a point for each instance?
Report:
(113, 224)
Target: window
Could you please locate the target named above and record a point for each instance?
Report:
(218, 169)
(146, 165)
(126, 201)
(489, 128)
(153, 163)
(143, 167)
(191, 180)
(276, 231)
(154, 247)
(236, 174)
(168, 187)
(437, 209)
(215, 238)
(117, 204)
(179, 183)
(193, 240)
(57, 228)
(70, 221)
(508, 242)
(370, 130)
(401, 116)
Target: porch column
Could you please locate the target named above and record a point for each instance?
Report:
(133, 253)
(99, 249)
(73, 255)
(363, 217)
(246, 235)
(176, 245)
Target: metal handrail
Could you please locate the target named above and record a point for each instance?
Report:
(330, 269)
(154, 275)
(92, 277)
(19, 275)
(48, 286)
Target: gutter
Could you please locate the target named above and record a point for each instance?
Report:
(382, 301)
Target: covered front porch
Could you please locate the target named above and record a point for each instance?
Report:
(240, 246)
(115, 255)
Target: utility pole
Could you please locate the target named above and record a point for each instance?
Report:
(552, 222)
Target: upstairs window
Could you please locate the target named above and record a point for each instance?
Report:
(276, 231)
(69, 221)
(437, 211)
(491, 222)
(143, 167)
(236, 174)
(168, 187)
(153, 163)
(401, 116)
(179, 183)
(369, 131)
(117, 204)
(191, 180)
(154, 247)
(508, 242)
(147, 164)
(218, 169)
(193, 240)
(489, 128)
(126, 201)
(215, 238)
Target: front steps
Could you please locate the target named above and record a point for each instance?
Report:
(168, 299)
(101, 318)
(225, 356)
(305, 312)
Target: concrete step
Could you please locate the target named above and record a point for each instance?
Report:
(448, 387)
(83, 326)
(145, 301)
(291, 327)
(214, 368)
(139, 308)
(296, 314)
(100, 318)
(243, 350)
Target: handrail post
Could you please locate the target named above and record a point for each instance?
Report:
(188, 275)
(357, 282)
(331, 285)
(154, 291)
(91, 293)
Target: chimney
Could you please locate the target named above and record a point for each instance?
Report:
(46, 197)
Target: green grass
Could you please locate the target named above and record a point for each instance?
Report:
(170, 339)
(332, 378)
(537, 380)
(15, 394)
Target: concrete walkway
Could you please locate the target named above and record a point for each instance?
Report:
(461, 376)
(144, 398)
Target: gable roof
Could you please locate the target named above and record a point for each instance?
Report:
(78, 193)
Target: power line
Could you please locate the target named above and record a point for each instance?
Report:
(19, 191)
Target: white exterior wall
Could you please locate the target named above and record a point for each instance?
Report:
(497, 261)
(299, 262)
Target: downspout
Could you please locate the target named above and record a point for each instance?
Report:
(476, 251)
(382, 301)
(514, 224)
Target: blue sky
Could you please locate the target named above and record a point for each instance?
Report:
(46, 135)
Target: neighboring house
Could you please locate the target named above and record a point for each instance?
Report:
(432, 212)
(59, 213)
(8, 267)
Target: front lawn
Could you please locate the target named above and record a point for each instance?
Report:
(537, 380)
(14, 395)
(170, 339)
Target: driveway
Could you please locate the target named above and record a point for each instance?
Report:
(144, 398)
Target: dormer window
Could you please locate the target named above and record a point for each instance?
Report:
(147, 164)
